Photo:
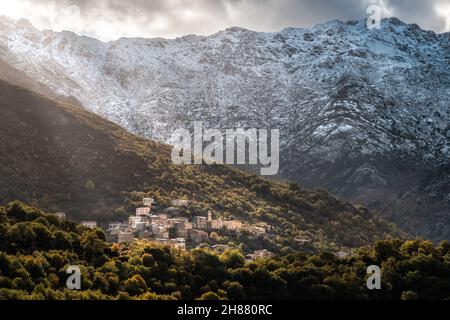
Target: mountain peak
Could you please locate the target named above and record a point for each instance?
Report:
(394, 21)
(237, 29)
(25, 23)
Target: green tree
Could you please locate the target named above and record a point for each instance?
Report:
(235, 291)
(89, 185)
(209, 296)
(409, 295)
(148, 260)
(232, 259)
(135, 285)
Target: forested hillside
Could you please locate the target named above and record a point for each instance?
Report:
(60, 157)
(36, 249)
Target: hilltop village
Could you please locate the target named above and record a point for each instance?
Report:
(166, 226)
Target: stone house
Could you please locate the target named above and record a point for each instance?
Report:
(133, 221)
(179, 203)
(198, 236)
(233, 225)
(89, 224)
(200, 223)
(144, 211)
(125, 236)
(215, 224)
(148, 202)
(60, 215)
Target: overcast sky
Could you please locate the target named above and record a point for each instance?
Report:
(112, 19)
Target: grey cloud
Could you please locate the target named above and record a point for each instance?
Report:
(421, 12)
(171, 18)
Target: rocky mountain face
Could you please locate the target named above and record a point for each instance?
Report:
(364, 113)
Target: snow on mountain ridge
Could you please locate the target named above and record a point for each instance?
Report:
(351, 103)
(132, 74)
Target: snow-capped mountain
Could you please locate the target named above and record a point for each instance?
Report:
(362, 112)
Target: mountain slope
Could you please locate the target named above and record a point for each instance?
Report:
(362, 113)
(63, 158)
